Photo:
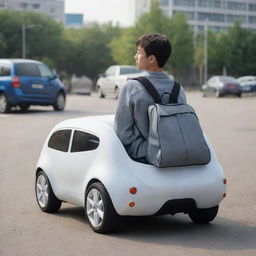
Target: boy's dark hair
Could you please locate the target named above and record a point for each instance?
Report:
(157, 45)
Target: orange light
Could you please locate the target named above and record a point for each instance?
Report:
(133, 190)
(225, 181)
(224, 195)
(132, 204)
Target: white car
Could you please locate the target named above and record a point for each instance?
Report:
(84, 163)
(248, 83)
(111, 82)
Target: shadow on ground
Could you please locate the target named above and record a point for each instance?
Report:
(222, 234)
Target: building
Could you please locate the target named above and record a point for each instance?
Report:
(74, 20)
(216, 14)
(51, 8)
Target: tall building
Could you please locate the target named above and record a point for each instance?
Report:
(51, 8)
(217, 14)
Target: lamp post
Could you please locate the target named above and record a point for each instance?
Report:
(24, 28)
(205, 52)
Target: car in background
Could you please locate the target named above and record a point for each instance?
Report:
(25, 82)
(248, 83)
(110, 83)
(80, 85)
(222, 85)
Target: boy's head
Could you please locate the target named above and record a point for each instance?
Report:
(156, 45)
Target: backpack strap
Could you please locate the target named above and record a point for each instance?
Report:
(175, 93)
(149, 87)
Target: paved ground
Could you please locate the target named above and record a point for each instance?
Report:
(230, 123)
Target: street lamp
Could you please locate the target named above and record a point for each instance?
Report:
(24, 27)
(205, 51)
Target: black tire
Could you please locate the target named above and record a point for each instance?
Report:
(239, 95)
(24, 107)
(218, 94)
(5, 105)
(100, 93)
(102, 217)
(60, 102)
(43, 187)
(117, 92)
(204, 216)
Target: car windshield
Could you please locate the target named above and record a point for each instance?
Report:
(227, 79)
(129, 70)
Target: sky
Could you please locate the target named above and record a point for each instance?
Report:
(101, 10)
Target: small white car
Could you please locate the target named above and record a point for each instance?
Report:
(84, 163)
(111, 82)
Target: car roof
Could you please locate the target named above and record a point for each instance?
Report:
(95, 124)
(247, 77)
(20, 61)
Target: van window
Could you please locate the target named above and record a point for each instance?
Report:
(60, 140)
(83, 141)
(27, 69)
(5, 69)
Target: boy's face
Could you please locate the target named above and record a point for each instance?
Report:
(142, 61)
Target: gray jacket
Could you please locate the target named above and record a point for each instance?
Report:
(131, 119)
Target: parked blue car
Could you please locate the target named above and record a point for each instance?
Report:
(26, 82)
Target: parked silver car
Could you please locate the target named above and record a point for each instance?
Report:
(248, 83)
(110, 83)
(222, 85)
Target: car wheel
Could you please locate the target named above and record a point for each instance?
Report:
(203, 216)
(99, 209)
(218, 94)
(60, 102)
(204, 94)
(117, 92)
(5, 105)
(100, 93)
(24, 107)
(239, 95)
(45, 197)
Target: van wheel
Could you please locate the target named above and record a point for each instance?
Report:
(5, 105)
(100, 93)
(99, 210)
(60, 102)
(45, 197)
(204, 216)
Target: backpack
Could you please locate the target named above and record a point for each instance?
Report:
(175, 135)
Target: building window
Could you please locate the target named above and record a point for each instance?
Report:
(164, 2)
(24, 5)
(210, 3)
(236, 6)
(233, 18)
(36, 6)
(252, 7)
(189, 15)
(184, 2)
(211, 16)
(252, 19)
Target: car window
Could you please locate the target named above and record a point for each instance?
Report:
(5, 69)
(44, 70)
(60, 140)
(26, 69)
(129, 70)
(83, 141)
(227, 79)
(111, 71)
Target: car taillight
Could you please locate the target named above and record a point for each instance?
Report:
(15, 82)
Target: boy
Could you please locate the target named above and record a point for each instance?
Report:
(131, 119)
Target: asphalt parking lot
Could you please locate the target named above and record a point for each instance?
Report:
(229, 122)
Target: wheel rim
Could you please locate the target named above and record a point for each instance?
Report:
(3, 103)
(42, 192)
(95, 208)
(60, 101)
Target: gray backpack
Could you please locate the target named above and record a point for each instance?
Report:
(175, 136)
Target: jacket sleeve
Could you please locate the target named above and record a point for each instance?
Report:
(125, 126)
